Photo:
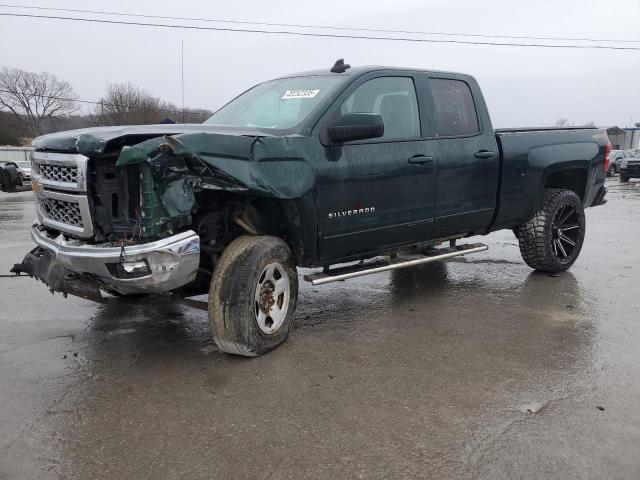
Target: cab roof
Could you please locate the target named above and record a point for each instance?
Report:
(357, 71)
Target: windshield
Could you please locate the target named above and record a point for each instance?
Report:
(24, 164)
(280, 104)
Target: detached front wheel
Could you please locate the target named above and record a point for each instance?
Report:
(551, 241)
(253, 295)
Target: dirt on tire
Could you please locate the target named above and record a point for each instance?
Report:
(231, 295)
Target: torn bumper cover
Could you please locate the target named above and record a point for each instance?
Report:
(81, 269)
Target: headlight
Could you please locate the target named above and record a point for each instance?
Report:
(624, 163)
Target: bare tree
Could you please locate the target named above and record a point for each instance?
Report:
(126, 104)
(11, 130)
(35, 97)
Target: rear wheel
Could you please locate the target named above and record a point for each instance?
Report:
(551, 241)
(612, 171)
(253, 295)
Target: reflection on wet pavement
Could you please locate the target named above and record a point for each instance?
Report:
(473, 368)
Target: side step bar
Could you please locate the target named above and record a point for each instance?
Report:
(382, 265)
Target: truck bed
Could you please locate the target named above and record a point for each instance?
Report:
(528, 156)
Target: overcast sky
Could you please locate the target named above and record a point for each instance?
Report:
(523, 86)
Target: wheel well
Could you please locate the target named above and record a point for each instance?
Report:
(574, 179)
(279, 218)
(224, 217)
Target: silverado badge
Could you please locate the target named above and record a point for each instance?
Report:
(348, 213)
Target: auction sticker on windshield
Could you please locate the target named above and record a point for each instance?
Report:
(299, 94)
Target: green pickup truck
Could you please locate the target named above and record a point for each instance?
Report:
(346, 170)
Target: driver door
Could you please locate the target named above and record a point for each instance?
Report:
(377, 193)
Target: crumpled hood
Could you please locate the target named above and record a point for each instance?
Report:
(100, 140)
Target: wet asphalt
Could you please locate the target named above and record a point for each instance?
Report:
(476, 368)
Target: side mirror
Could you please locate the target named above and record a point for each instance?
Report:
(356, 126)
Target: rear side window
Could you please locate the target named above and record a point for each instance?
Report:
(392, 97)
(455, 108)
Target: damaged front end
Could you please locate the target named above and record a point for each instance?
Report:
(128, 219)
(170, 174)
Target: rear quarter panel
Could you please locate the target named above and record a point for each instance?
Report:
(529, 158)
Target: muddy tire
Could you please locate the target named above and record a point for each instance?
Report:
(624, 178)
(551, 241)
(253, 295)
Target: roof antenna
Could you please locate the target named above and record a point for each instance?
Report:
(340, 66)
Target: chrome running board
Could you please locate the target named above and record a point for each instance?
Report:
(382, 265)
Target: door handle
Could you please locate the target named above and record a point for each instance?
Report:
(484, 154)
(420, 159)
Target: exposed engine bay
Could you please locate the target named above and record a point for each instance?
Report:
(149, 191)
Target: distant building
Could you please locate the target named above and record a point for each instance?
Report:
(633, 137)
(624, 138)
(15, 154)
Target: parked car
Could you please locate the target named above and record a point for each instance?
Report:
(614, 162)
(616, 158)
(373, 165)
(24, 168)
(630, 167)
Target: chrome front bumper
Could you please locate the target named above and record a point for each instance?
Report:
(172, 262)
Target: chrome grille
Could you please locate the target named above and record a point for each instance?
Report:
(58, 173)
(60, 183)
(62, 211)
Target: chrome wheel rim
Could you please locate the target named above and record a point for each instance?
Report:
(565, 232)
(273, 292)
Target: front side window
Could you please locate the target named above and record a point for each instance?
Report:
(394, 98)
(455, 108)
(277, 104)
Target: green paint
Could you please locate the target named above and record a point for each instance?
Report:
(154, 222)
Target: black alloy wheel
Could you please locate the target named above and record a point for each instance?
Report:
(565, 230)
